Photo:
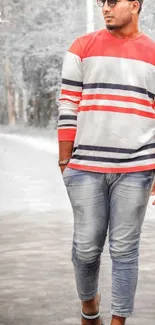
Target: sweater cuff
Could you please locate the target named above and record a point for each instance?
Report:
(66, 134)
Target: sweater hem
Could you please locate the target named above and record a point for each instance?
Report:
(115, 170)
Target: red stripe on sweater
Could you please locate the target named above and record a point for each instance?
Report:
(71, 93)
(116, 110)
(141, 48)
(118, 98)
(69, 100)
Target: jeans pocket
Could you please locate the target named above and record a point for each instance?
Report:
(75, 177)
(64, 172)
(142, 179)
(149, 176)
(67, 174)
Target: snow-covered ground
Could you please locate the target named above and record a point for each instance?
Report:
(29, 173)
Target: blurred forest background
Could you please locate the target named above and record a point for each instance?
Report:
(34, 36)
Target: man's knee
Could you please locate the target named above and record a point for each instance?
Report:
(85, 254)
(124, 252)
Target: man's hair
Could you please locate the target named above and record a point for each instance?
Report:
(141, 4)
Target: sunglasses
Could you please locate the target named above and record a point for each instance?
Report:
(111, 3)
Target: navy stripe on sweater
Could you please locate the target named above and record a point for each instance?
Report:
(68, 117)
(113, 149)
(119, 87)
(112, 160)
(72, 83)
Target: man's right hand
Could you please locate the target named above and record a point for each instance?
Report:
(65, 153)
(62, 168)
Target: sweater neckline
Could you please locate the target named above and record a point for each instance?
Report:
(123, 40)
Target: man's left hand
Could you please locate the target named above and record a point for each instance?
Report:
(153, 193)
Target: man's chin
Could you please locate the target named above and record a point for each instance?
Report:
(112, 27)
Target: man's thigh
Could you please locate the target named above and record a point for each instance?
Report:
(129, 197)
(88, 194)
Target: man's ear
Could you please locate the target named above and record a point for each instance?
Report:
(136, 7)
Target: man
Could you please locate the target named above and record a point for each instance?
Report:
(107, 152)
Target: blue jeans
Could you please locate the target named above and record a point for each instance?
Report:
(100, 202)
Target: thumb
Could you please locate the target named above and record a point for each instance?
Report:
(153, 190)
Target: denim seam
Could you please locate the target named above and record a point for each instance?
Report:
(88, 297)
(121, 314)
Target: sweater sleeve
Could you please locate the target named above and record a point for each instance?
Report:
(71, 91)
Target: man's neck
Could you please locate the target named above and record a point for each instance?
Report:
(126, 33)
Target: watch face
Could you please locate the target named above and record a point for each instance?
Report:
(63, 162)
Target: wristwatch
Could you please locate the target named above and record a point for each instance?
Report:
(63, 162)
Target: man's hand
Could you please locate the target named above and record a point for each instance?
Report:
(65, 153)
(153, 193)
(62, 168)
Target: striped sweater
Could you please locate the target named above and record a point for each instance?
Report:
(107, 103)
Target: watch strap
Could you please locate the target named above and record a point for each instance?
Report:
(63, 162)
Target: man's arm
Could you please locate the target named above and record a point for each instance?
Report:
(71, 92)
(65, 152)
